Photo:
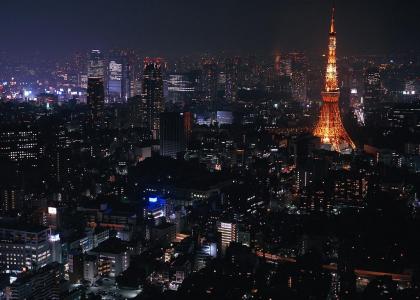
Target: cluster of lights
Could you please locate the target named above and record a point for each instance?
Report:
(409, 92)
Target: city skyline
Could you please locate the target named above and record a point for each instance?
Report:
(214, 150)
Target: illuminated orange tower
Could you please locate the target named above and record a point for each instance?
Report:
(330, 128)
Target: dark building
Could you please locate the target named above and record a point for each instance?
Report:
(152, 93)
(11, 198)
(137, 107)
(172, 134)
(372, 96)
(96, 99)
(42, 284)
(20, 143)
(188, 123)
(232, 75)
(404, 116)
(209, 80)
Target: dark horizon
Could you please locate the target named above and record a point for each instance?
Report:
(188, 27)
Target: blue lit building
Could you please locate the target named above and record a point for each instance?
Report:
(155, 209)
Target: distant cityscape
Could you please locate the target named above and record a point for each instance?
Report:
(210, 176)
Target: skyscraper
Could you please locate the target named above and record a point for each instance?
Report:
(96, 65)
(127, 78)
(180, 89)
(115, 80)
(96, 99)
(95, 86)
(209, 80)
(330, 128)
(299, 86)
(152, 93)
(372, 96)
(20, 143)
(232, 74)
(119, 78)
(172, 134)
(228, 233)
(299, 76)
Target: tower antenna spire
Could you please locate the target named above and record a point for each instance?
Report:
(332, 27)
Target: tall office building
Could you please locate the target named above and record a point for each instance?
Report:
(188, 124)
(299, 76)
(372, 96)
(127, 78)
(96, 65)
(96, 86)
(20, 143)
(299, 86)
(152, 93)
(228, 232)
(135, 75)
(372, 82)
(96, 99)
(119, 78)
(232, 77)
(115, 80)
(42, 284)
(209, 80)
(137, 107)
(11, 198)
(277, 64)
(180, 88)
(24, 247)
(172, 134)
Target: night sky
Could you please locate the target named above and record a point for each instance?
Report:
(174, 27)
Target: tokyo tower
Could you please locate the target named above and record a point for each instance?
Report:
(330, 128)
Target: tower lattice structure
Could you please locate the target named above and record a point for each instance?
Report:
(330, 128)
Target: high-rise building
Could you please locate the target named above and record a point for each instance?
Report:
(372, 96)
(180, 88)
(152, 93)
(188, 124)
(135, 72)
(96, 86)
(137, 107)
(228, 233)
(172, 134)
(96, 99)
(119, 78)
(11, 198)
(277, 64)
(372, 82)
(232, 77)
(24, 247)
(115, 81)
(207, 251)
(20, 143)
(42, 284)
(96, 65)
(330, 128)
(209, 80)
(299, 85)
